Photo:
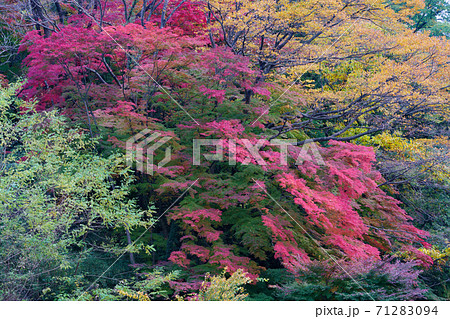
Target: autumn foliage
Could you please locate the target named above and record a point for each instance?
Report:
(334, 75)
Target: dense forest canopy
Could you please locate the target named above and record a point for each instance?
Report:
(332, 179)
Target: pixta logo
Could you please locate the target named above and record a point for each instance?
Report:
(141, 148)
